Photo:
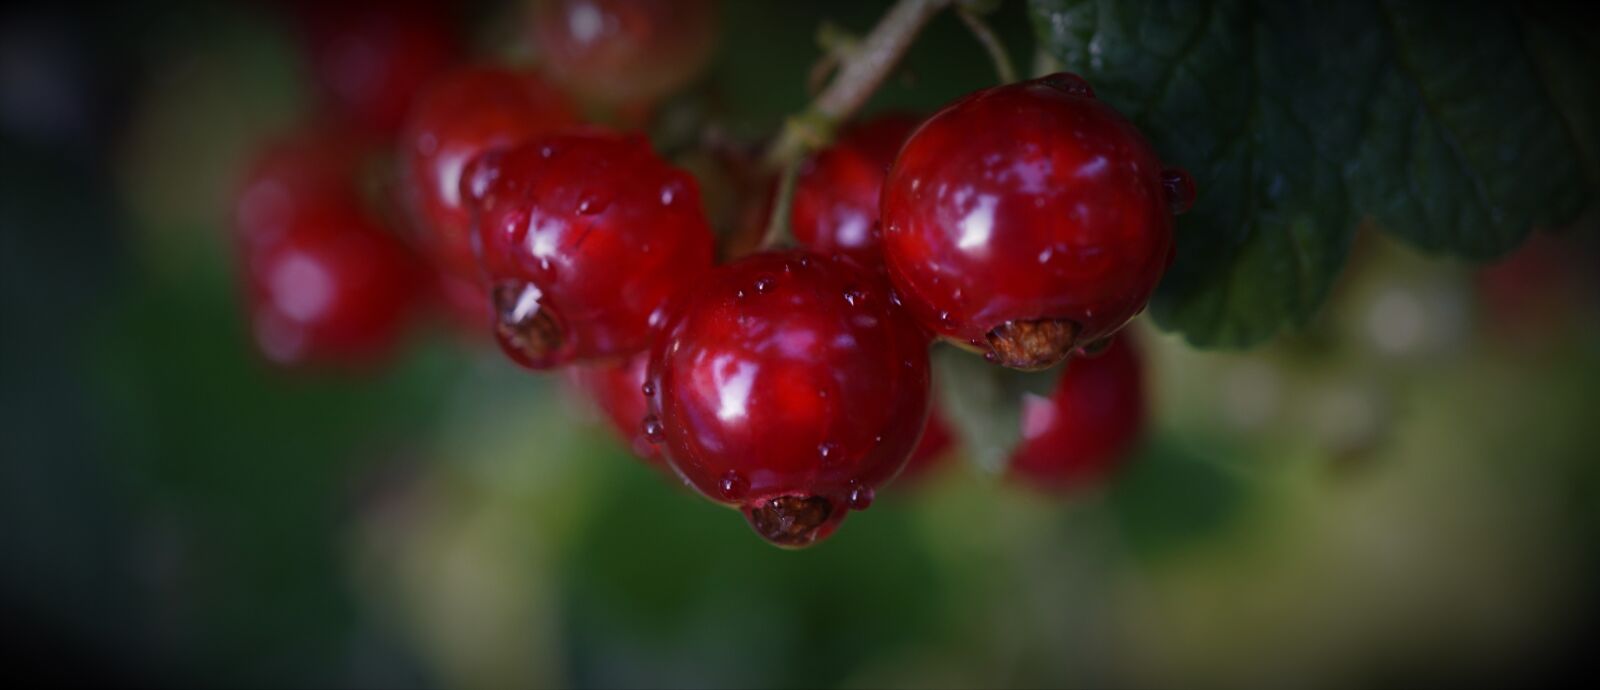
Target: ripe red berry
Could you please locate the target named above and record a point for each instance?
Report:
(333, 287)
(789, 386)
(625, 52)
(1029, 220)
(305, 169)
(617, 388)
(1088, 424)
(467, 112)
(585, 237)
(370, 59)
(836, 196)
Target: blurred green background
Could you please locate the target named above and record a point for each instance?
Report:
(1405, 491)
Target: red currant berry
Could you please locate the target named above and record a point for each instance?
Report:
(467, 112)
(585, 237)
(837, 193)
(306, 169)
(333, 287)
(1028, 220)
(625, 52)
(370, 58)
(618, 389)
(1087, 425)
(937, 442)
(787, 385)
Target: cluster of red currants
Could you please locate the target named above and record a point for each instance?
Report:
(1027, 222)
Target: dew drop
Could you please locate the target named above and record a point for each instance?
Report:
(590, 205)
(861, 498)
(654, 430)
(854, 296)
(733, 486)
(764, 284)
(829, 452)
(1180, 189)
(648, 389)
(738, 294)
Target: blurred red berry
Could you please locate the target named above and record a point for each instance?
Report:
(625, 52)
(935, 446)
(369, 59)
(1087, 426)
(618, 390)
(468, 111)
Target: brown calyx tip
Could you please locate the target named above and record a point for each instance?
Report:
(1033, 345)
(522, 324)
(790, 521)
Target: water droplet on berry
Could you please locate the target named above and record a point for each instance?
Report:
(1180, 189)
(733, 486)
(654, 430)
(944, 318)
(991, 357)
(854, 296)
(861, 498)
(829, 452)
(805, 262)
(738, 294)
(764, 284)
(648, 389)
(590, 205)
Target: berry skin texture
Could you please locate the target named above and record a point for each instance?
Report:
(369, 59)
(467, 112)
(333, 287)
(790, 387)
(837, 193)
(625, 52)
(1028, 220)
(1087, 426)
(585, 238)
(617, 389)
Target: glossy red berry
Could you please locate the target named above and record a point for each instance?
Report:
(1028, 220)
(585, 237)
(618, 388)
(625, 52)
(369, 59)
(836, 196)
(1087, 426)
(789, 386)
(333, 287)
(467, 112)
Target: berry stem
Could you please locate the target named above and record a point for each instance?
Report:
(778, 230)
(1003, 66)
(859, 75)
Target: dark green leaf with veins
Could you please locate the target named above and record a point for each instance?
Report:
(1298, 119)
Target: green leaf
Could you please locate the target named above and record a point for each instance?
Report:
(985, 403)
(1299, 119)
